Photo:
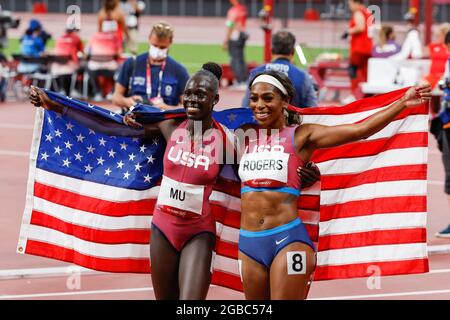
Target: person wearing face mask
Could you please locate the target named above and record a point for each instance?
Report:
(152, 77)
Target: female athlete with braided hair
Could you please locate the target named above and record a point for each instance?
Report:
(183, 231)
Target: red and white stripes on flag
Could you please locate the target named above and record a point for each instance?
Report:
(372, 201)
(373, 204)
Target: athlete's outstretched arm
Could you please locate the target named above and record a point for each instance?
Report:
(318, 136)
(40, 99)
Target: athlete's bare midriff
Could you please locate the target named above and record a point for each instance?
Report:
(267, 209)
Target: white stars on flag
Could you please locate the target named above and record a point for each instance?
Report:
(231, 117)
(111, 153)
(48, 137)
(73, 150)
(58, 150)
(68, 145)
(58, 133)
(69, 126)
(102, 142)
(66, 163)
(44, 156)
(80, 138)
(150, 159)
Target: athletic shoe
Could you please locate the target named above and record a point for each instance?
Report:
(348, 99)
(444, 233)
(98, 97)
(239, 86)
(75, 94)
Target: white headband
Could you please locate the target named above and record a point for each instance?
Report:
(265, 78)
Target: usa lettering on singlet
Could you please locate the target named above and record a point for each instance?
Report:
(179, 156)
(180, 198)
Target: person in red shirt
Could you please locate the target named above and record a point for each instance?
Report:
(112, 18)
(235, 40)
(68, 44)
(360, 44)
(103, 51)
(439, 54)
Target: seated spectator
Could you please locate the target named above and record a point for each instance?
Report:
(386, 44)
(32, 45)
(439, 54)
(68, 44)
(412, 45)
(103, 50)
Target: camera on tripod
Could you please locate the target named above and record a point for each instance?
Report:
(444, 85)
(7, 21)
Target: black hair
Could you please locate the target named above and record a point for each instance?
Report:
(293, 117)
(283, 42)
(447, 38)
(284, 80)
(213, 71)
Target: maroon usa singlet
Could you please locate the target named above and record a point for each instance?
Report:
(190, 170)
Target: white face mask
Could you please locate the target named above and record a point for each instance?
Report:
(157, 53)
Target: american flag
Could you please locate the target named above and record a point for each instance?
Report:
(90, 196)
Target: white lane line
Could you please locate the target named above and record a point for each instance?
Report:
(9, 274)
(439, 271)
(14, 153)
(385, 295)
(73, 293)
(443, 248)
(435, 182)
(16, 126)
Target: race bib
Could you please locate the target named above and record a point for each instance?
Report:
(131, 21)
(264, 169)
(109, 26)
(180, 199)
